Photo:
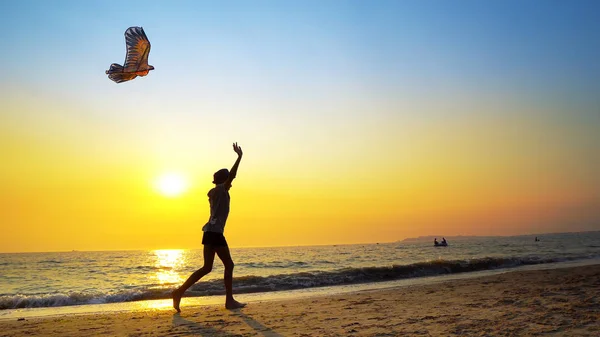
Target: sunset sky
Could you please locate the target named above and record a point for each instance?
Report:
(360, 121)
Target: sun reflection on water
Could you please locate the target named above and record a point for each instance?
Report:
(167, 263)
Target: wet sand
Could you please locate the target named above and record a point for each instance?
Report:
(556, 302)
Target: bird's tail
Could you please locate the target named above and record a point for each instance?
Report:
(122, 77)
(115, 68)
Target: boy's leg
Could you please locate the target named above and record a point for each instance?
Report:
(209, 258)
(225, 256)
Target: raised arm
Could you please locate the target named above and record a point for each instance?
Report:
(234, 168)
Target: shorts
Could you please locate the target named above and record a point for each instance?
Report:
(214, 239)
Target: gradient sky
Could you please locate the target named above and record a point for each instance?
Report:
(361, 121)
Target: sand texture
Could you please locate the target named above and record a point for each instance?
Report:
(558, 302)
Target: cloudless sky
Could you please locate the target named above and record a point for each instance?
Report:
(360, 121)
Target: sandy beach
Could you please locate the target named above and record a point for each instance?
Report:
(557, 302)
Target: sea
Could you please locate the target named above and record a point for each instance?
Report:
(38, 284)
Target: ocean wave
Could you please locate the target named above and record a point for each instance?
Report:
(278, 282)
(275, 264)
(51, 261)
(76, 298)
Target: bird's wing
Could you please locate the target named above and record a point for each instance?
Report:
(138, 48)
(122, 77)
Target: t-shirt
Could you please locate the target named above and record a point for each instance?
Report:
(219, 199)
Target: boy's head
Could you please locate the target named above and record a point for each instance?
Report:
(220, 176)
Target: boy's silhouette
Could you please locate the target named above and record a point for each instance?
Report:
(213, 240)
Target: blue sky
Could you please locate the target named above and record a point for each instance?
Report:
(390, 43)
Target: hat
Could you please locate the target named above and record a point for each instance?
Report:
(220, 176)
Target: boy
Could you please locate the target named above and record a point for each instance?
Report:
(213, 239)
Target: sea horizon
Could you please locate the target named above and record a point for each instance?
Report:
(420, 238)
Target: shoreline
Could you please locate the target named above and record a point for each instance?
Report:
(165, 304)
(559, 301)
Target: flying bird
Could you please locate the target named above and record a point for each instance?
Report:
(136, 60)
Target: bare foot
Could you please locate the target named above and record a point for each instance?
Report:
(233, 304)
(176, 299)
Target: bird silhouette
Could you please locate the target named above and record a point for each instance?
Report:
(136, 59)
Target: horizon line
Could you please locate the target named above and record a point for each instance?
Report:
(300, 245)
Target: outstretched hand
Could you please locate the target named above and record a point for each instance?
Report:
(237, 149)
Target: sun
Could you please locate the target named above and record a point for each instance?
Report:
(171, 184)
